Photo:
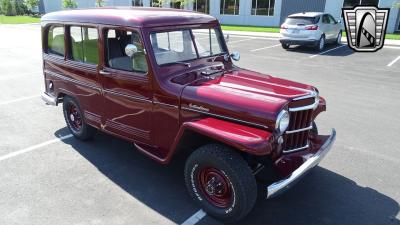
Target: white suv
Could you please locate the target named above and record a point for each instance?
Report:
(311, 28)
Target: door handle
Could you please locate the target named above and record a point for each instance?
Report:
(104, 73)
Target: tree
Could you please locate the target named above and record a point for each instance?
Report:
(8, 7)
(31, 4)
(69, 4)
(182, 3)
(100, 3)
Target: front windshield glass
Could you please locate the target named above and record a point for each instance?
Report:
(178, 46)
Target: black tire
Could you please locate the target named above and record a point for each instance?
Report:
(285, 45)
(83, 131)
(321, 43)
(237, 174)
(339, 38)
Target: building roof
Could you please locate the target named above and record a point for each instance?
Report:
(307, 14)
(131, 16)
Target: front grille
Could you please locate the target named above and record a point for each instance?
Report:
(296, 136)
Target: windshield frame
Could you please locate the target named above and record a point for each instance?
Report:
(218, 33)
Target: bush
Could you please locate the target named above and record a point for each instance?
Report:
(69, 4)
(13, 7)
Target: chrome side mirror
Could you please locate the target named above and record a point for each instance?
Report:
(227, 38)
(235, 56)
(130, 50)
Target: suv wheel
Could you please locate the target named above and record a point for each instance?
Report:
(339, 38)
(221, 181)
(321, 43)
(285, 45)
(75, 121)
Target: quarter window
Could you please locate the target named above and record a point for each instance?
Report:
(55, 41)
(230, 7)
(263, 7)
(116, 58)
(84, 44)
(202, 6)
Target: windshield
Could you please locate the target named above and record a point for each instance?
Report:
(178, 46)
(302, 20)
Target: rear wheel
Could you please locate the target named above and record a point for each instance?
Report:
(339, 38)
(75, 121)
(321, 43)
(221, 181)
(285, 45)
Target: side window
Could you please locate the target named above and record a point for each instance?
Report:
(84, 44)
(55, 41)
(325, 19)
(332, 20)
(116, 58)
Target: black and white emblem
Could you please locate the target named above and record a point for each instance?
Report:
(365, 27)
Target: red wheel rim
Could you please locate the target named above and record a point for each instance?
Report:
(216, 187)
(74, 117)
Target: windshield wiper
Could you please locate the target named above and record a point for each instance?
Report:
(182, 63)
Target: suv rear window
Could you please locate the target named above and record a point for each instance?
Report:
(302, 20)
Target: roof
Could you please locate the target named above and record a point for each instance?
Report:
(131, 16)
(307, 14)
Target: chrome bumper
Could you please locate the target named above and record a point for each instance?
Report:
(49, 100)
(282, 185)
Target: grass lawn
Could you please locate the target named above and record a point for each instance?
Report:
(276, 30)
(18, 19)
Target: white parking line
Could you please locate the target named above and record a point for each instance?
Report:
(19, 99)
(394, 61)
(321, 53)
(34, 147)
(258, 49)
(195, 218)
(247, 39)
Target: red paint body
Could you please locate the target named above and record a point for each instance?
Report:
(235, 106)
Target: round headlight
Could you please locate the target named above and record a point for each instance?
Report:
(282, 122)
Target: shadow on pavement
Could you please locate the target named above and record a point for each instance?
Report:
(330, 48)
(322, 197)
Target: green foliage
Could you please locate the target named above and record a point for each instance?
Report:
(69, 4)
(31, 4)
(100, 3)
(13, 7)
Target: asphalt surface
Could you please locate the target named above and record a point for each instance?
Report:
(106, 181)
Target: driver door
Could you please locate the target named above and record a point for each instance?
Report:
(127, 91)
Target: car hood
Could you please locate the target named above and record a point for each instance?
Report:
(242, 95)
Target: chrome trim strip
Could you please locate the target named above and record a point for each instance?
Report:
(225, 117)
(49, 100)
(85, 84)
(312, 95)
(165, 104)
(307, 107)
(299, 130)
(296, 149)
(282, 185)
(127, 96)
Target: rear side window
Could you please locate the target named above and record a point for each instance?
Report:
(84, 44)
(302, 20)
(55, 41)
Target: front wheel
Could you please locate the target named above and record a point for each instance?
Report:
(339, 38)
(221, 181)
(74, 118)
(285, 45)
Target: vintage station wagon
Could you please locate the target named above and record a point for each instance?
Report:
(164, 80)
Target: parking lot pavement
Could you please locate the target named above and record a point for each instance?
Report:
(45, 180)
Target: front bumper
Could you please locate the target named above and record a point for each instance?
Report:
(312, 161)
(49, 99)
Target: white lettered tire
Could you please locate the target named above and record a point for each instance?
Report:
(221, 182)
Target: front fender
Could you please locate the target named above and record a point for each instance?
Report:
(247, 139)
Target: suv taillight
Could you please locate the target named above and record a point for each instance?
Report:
(283, 27)
(311, 27)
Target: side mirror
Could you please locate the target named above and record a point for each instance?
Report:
(227, 38)
(235, 56)
(338, 21)
(130, 50)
